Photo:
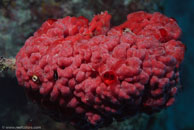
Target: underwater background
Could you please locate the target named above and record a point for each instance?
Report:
(20, 18)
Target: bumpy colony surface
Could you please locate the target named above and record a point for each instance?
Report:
(88, 73)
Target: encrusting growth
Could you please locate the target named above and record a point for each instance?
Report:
(7, 65)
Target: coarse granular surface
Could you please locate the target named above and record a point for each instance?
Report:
(88, 74)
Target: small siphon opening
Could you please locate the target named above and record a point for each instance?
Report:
(109, 77)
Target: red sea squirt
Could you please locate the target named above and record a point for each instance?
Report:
(87, 73)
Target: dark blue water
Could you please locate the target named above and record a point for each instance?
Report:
(181, 115)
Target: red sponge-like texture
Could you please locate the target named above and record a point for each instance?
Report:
(88, 73)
